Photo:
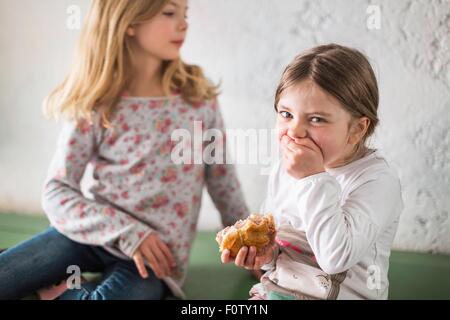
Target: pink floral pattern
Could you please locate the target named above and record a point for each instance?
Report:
(138, 189)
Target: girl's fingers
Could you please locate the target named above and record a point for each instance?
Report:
(250, 260)
(140, 265)
(284, 141)
(308, 143)
(294, 147)
(300, 147)
(258, 263)
(225, 256)
(286, 154)
(296, 144)
(266, 257)
(161, 258)
(286, 151)
(289, 145)
(240, 258)
(152, 262)
(167, 253)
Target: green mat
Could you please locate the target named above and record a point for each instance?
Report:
(411, 275)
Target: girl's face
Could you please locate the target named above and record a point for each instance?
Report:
(163, 36)
(307, 111)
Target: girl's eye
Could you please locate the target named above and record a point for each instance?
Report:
(286, 114)
(316, 120)
(169, 14)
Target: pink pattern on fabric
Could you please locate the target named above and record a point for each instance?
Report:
(287, 244)
(138, 188)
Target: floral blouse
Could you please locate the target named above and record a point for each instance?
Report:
(137, 188)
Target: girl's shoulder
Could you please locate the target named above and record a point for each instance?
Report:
(377, 166)
(373, 164)
(175, 98)
(376, 183)
(372, 171)
(210, 104)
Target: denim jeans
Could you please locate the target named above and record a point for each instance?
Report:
(44, 260)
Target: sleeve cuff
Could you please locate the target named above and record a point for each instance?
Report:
(134, 238)
(315, 177)
(271, 264)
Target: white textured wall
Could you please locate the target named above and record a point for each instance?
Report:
(245, 45)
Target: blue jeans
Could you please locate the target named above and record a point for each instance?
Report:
(44, 260)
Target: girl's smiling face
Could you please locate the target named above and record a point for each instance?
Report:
(307, 111)
(163, 36)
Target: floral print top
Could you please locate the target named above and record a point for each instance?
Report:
(137, 188)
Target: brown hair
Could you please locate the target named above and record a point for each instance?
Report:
(342, 72)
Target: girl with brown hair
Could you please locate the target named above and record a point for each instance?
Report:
(336, 202)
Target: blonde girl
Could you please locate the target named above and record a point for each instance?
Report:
(127, 91)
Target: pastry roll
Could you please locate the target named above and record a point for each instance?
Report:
(257, 230)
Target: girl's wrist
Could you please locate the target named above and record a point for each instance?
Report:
(273, 254)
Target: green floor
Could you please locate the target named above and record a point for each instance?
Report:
(412, 275)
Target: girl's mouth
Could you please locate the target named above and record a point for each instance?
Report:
(178, 43)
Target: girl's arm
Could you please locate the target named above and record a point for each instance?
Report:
(75, 216)
(221, 179)
(267, 208)
(341, 235)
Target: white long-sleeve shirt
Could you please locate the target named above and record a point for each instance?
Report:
(349, 216)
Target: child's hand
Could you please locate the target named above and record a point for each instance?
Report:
(157, 254)
(247, 258)
(301, 157)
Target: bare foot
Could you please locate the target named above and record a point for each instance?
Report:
(52, 292)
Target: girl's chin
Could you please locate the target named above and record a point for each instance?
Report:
(173, 54)
(169, 55)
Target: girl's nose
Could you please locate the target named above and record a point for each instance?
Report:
(297, 132)
(183, 26)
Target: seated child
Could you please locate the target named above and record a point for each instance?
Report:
(336, 202)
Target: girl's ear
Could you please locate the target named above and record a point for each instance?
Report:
(131, 31)
(358, 130)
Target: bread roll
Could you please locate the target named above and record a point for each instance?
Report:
(257, 230)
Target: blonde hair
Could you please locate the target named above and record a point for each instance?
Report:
(342, 72)
(98, 76)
